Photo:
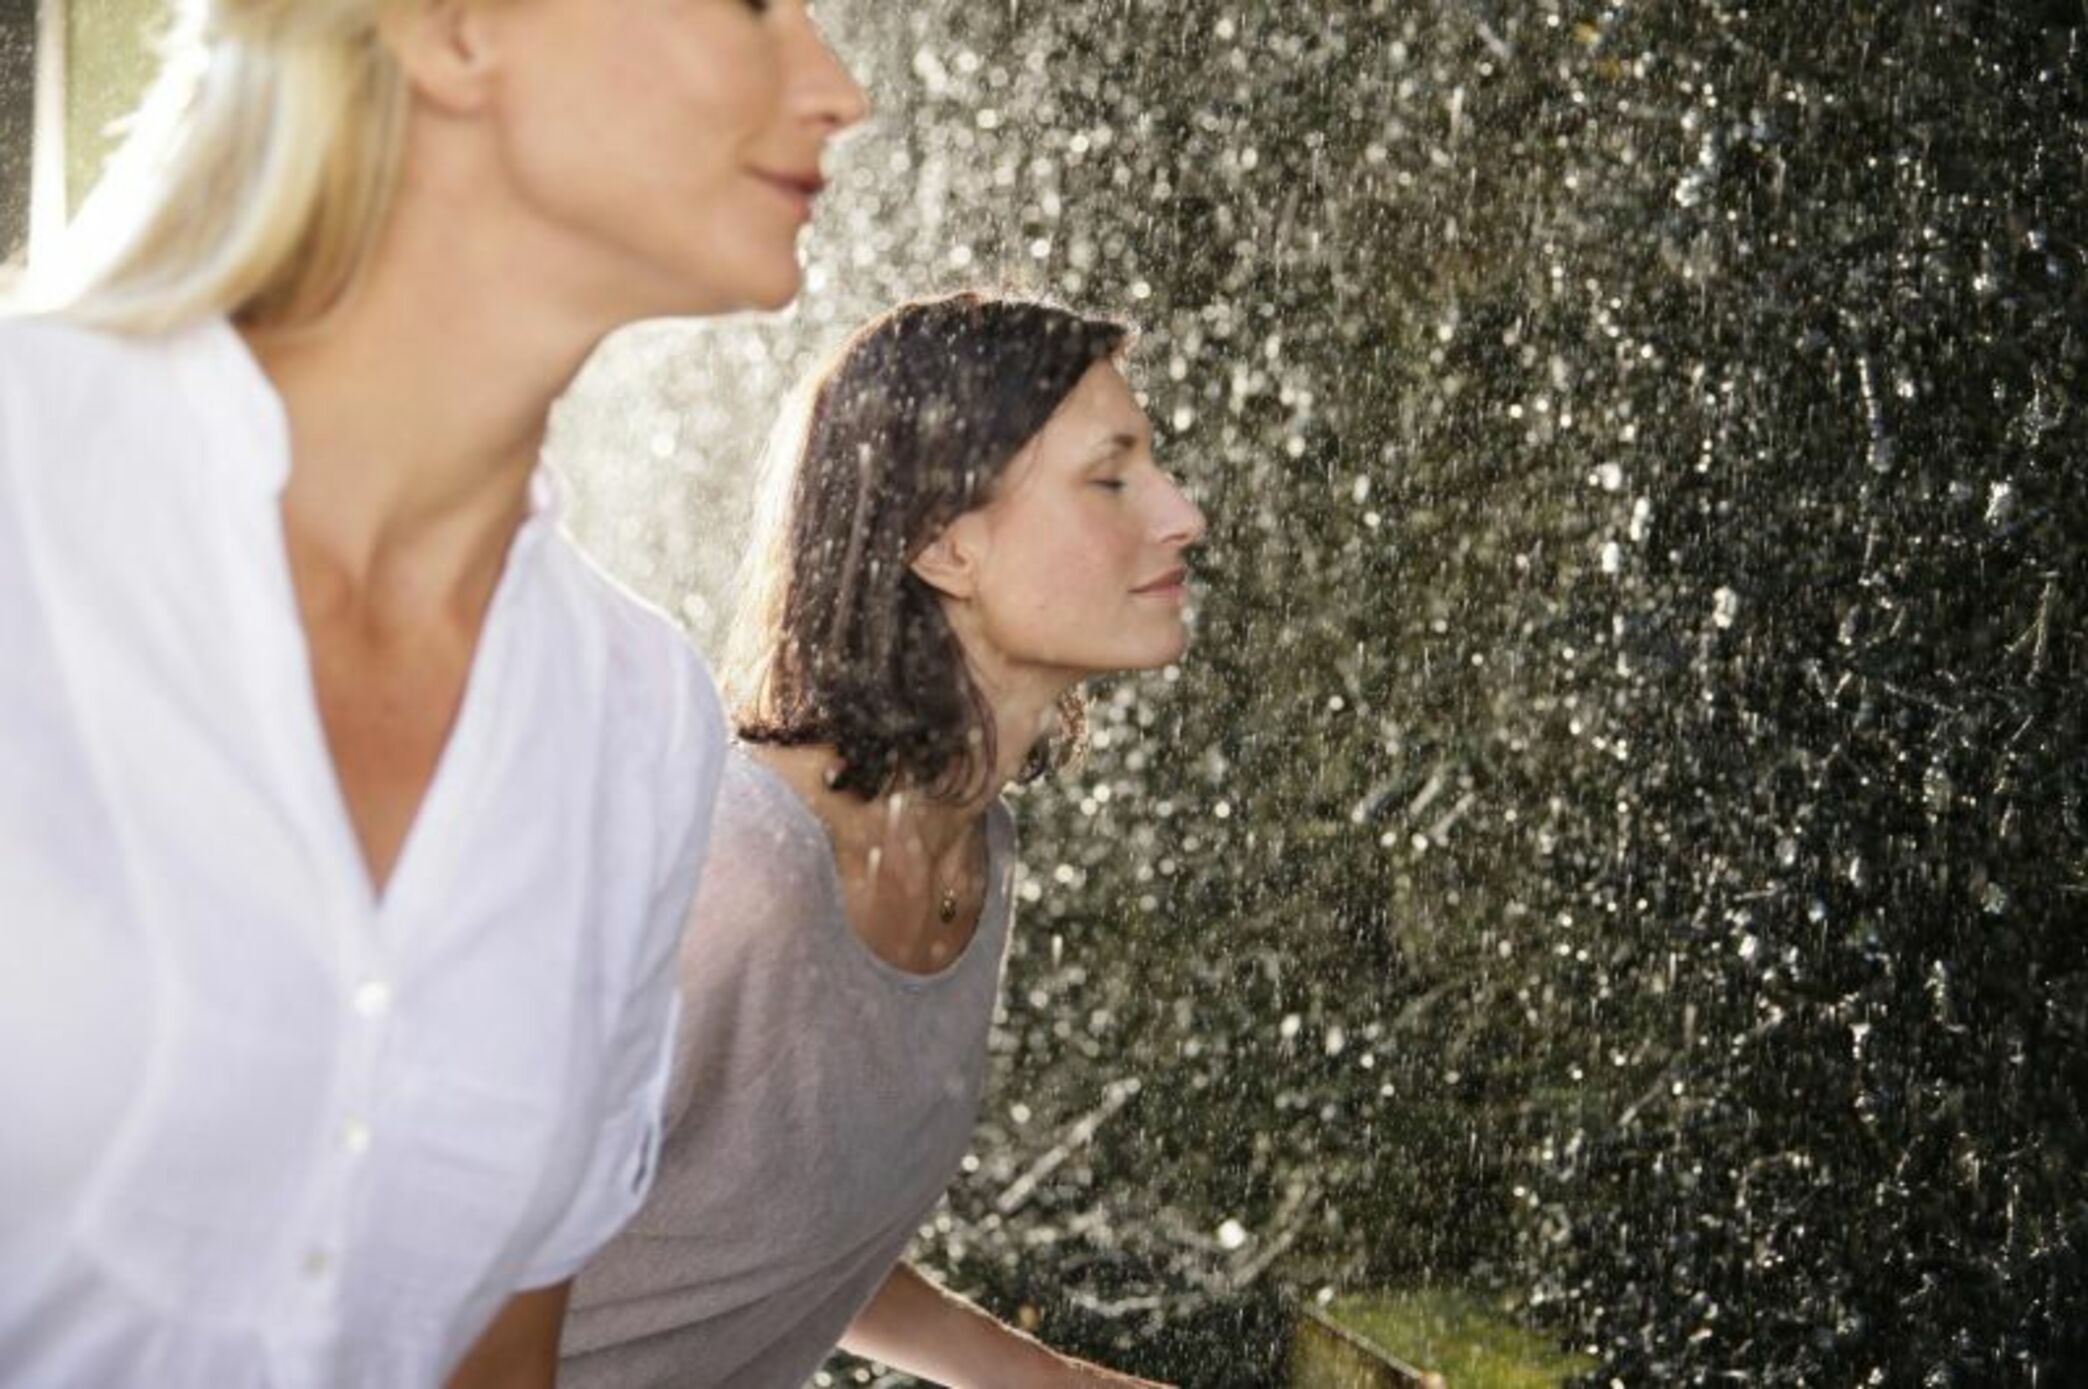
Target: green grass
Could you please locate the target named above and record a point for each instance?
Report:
(1472, 1345)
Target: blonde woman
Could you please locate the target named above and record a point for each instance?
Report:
(973, 526)
(348, 818)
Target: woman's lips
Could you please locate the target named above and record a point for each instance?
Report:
(800, 189)
(1173, 584)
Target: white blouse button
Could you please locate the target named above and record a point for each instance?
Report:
(317, 1263)
(355, 1137)
(372, 998)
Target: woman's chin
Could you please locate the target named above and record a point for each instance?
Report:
(1166, 652)
(763, 288)
(778, 296)
(773, 285)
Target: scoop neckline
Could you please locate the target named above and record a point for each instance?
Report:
(991, 907)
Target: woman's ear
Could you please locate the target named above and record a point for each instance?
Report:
(445, 48)
(949, 563)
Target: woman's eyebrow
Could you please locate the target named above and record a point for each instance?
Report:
(1120, 442)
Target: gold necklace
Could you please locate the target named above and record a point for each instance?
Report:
(946, 902)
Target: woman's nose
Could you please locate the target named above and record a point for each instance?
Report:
(1183, 522)
(828, 91)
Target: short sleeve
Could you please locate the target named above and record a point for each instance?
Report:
(626, 1156)
(620, 1171)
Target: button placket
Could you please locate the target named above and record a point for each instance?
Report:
(366, 1006)
(356, 1135)
(364, 1024)
(372, 998)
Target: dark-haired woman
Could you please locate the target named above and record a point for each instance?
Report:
(973, 525)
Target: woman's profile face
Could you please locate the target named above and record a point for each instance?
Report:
(1079, 551)
(672, 146)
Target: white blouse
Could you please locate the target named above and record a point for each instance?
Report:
(258, 1127)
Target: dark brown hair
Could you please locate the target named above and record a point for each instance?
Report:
(911, 425)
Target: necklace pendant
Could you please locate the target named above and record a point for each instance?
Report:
(947, 907)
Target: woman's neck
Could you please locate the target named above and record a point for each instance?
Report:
(937, 826)
(910, 862)
(905, 821)
(417, 408)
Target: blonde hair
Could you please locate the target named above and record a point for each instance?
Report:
(254, 178)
